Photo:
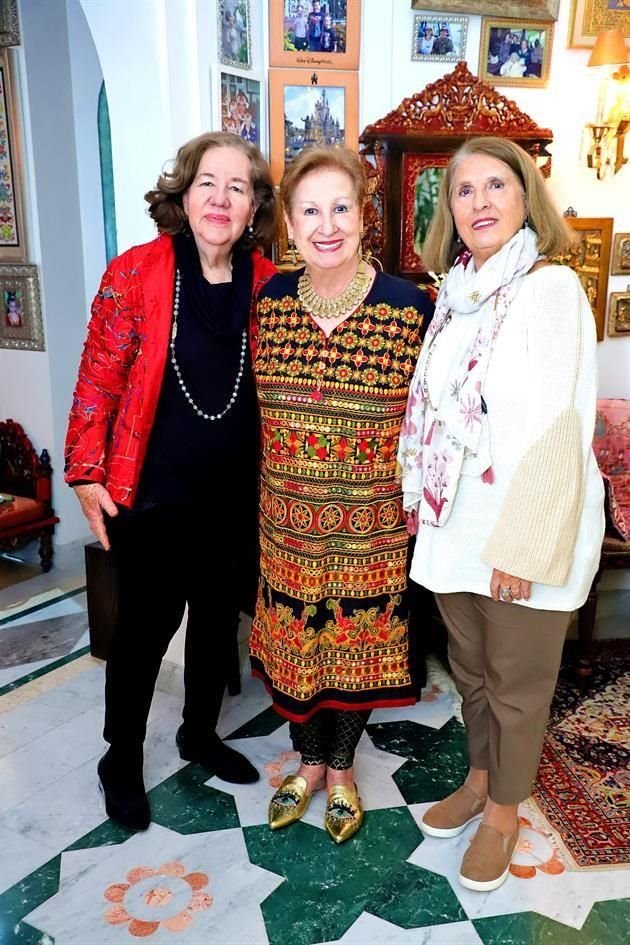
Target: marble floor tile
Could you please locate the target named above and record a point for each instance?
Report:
(38, 716)
(564, 895)
(73, 805)
(57, 608)
(20, 856)
(202, 887)
(237, 710)
(369, 928)
(48, 638)
(434, 709)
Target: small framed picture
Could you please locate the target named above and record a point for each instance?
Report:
(589, 257)
(619, 314)
(536, 9)
(589, 17)
(314, 34)
(234, 31)
(439, 38)
(621, 255)
(310, 109)
(515, 52)
(240, 107)
(20, 308)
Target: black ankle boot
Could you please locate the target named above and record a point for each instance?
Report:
(217, 758)
(120, 777)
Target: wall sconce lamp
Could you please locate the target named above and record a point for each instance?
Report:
(608, 131)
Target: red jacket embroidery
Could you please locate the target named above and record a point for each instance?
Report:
(122, 367)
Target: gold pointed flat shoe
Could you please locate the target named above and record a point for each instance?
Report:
(289, 802)
(344, 814)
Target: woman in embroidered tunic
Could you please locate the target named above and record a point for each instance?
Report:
(164, 420)
(336, 349)
(500, 476)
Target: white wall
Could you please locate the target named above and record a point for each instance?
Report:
(388, 75)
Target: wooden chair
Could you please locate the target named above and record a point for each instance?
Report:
(25, 483)
(611, 445)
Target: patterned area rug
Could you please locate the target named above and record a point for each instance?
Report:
(583, 784)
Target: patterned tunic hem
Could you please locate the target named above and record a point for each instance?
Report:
(352, 702)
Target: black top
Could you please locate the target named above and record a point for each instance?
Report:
(190, 459)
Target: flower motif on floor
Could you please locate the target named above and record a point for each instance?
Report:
(275, 769)
(534, 845)
(150, 898)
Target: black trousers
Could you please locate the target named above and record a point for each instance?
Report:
(167, 557)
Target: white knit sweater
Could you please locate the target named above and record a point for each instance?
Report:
(543, 517)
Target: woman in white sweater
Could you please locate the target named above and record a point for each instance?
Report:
(499, 477)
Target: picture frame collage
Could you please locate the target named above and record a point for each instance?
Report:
(21, 321)
(515, 48)
(313, 85)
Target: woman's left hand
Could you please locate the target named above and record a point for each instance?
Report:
(506, 587)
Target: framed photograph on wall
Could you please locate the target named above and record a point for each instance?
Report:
(619, 314)
(621, 255)
(21, 323)
(240, 107)
(439, 38)
(314, 34)
(515, 52)
(589, 17)
(234, 32)
(590, 260)
(310, 109)
(534, 9)
(12, 241)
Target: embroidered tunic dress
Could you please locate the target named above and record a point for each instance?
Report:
(330, 629)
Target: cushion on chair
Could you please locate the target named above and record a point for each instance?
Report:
(611, 444)
(19, 512)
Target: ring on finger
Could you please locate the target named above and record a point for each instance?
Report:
(505, 594)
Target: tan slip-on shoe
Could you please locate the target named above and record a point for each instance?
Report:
(451, 816)
(486, 863)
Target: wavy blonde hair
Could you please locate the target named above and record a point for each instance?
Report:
(441, 247)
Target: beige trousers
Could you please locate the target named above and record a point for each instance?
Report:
(505, 659)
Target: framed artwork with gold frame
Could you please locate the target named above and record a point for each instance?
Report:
(590, 260)
(515, 52)
(619, 314)
(12, 238)
(21, 324)
(309, 109)
(296, 40)
(589, 17)
(621, 255)
(536, 9)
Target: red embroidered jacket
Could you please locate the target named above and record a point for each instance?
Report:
(122, 367)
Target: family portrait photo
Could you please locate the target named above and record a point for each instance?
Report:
(234, 32)
(515, 52)
(315, 25)
(441, 39)
(240, 107)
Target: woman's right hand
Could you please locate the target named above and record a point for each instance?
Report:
(95, 499)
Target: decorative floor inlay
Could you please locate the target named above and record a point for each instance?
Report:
(210, 871)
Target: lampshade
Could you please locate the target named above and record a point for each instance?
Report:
(609, 49)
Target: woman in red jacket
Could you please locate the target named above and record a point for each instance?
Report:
(162, 449)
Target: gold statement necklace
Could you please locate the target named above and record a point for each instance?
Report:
(340, 304)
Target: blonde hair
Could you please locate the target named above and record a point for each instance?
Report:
(316, 159)
(441, 246)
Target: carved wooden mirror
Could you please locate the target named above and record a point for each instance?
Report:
(405, 154)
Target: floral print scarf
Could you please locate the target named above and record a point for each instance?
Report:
(443, 428)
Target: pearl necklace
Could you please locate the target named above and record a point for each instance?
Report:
(237, 382)
(340, 304)
(424, 377)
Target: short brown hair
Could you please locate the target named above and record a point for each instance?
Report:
(166, 201)
(316, 159)
(441, 247)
